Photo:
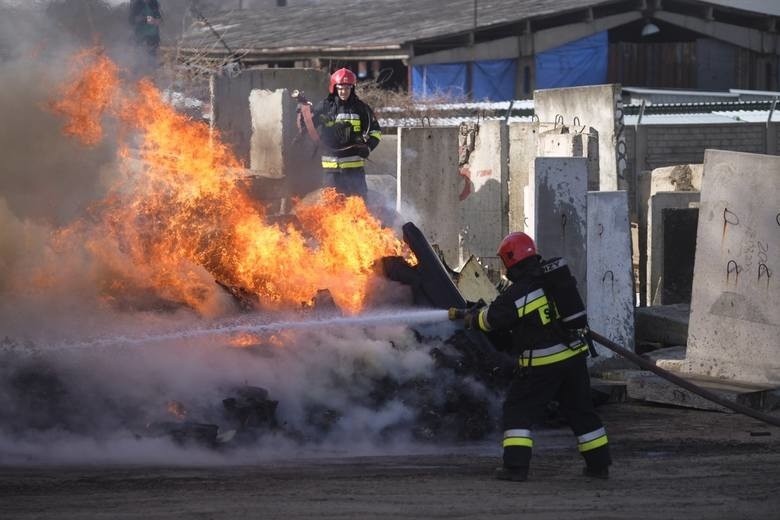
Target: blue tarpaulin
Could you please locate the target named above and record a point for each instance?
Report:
(439, 79)
(581, 62)
(493, 80)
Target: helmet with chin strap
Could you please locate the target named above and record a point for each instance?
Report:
(516, 247)
(342, 77)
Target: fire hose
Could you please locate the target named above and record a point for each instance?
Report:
(455, 313)
(683, 383)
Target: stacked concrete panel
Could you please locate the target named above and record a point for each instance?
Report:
(429, 186)
(610, 285)
(523, 138)
(482, 207)
(563, 141)
(230, 99)
(272, 114)
(598, 107)
(560, 211)
(735, 309)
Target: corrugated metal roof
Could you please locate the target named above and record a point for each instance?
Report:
(679, 119)
(380, 25)
(385, 24)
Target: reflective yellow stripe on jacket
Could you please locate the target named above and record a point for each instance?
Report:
(351, 161)
(534, 301)
(553, 354)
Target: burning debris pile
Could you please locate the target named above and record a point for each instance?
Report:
(149, 317)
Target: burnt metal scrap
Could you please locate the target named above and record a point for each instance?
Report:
(432, 286)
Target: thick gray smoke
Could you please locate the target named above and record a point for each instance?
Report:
(73, 391)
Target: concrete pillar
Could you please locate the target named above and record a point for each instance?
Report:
(610, 284)
(735, 309)
(655, 237)
(560, 211)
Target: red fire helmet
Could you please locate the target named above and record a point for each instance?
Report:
(342, 77)
(515, 247)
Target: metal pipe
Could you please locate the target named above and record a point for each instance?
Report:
(683, 383)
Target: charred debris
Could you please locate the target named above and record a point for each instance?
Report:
(457, 401)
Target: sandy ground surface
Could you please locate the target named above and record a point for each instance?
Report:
(669, 463)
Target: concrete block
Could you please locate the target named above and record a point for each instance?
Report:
(384, 158)
(560, 212)
(482, 207)
(666, 324)
(649, 387)
(230, 99)
(735, 309)
(610, 284)
(429, 186)
(273, 114)
(564, 141)
(682, 177)
(655, 237)
(523, 139)
(597, 106)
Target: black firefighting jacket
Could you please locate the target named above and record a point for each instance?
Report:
(525, 310)
(341, 126)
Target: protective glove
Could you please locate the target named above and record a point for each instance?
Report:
(362, 150)
(469, 316)
(470, 319)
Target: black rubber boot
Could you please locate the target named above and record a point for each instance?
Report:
(596, 472)
(512, 474)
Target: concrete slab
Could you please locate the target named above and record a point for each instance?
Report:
(523, 139)
(597, 106)
(429, 186)
(384, 158)
(655, 389)
(230, 99)
(666, 324)
(564, 141)
(482, 206)
(610, 284)
(560, 212)
(735, 310)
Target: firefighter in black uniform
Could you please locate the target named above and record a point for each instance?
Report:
(349, 132)
(551, 363)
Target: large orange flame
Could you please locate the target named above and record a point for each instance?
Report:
(178, 221)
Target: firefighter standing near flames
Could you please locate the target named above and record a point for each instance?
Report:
(552, 359)
(348, 132)
(145, 18)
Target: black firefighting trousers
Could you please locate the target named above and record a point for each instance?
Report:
(566, 382)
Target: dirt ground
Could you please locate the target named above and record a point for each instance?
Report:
(669, 463)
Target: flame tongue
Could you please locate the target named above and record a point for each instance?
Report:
(177, 219)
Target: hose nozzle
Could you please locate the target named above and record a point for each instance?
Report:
(456, 314)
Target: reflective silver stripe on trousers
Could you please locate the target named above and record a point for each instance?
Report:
(595, 434)
(517, 433)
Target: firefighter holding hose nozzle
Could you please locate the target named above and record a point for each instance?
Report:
(544, 314)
